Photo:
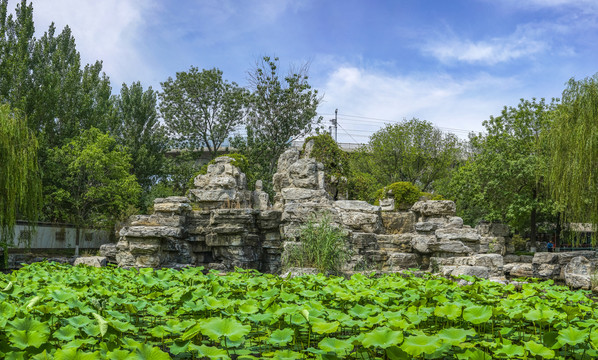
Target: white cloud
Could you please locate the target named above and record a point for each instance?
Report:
(107, 30)
(447, 102)
(524, 42)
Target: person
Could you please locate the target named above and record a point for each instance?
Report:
(550, 246)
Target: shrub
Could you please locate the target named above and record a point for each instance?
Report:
(334, 159)
(362, 187)
(519, 242)
(404, 193)
(322, 246)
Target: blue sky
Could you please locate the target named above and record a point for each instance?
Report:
(451, 62)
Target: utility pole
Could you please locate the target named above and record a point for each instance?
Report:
(334, 125)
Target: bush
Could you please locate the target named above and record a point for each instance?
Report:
(322, 246)
(334, 159)
(361, 187)
(404, 193)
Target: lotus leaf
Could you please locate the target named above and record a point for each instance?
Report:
(75, 354)
(420, 344)
(281, 337)
(335, 345)
(477, 314)
(382, 337)
(539, 350)
(216, 328)
(572, 336)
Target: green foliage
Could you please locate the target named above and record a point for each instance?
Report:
(503, 178)
(50, 311)
(201, 109)
(322, 246)
(404, 193)
(519, 242)
(334, 159)
(573, 144)
(411, 151)
(281, 110)
(20, 181)
(91, 183)
(362, 186)
(138, 129)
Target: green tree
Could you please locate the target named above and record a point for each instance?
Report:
(503, 177)
(281, 110)
(138, 129)
(91, 183)
(573, 145)
(20, 182)
(413, 151)
(201, 109)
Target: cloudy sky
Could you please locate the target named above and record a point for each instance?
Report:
(453, 63)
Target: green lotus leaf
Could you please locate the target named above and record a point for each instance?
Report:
(209, 351)
(159, 331)
(248, 308)
(474, 354)
(286, 355)
(477, 314)
(175, 325)
(28, 332)
(455, 336)
(265, 318)
(7, 311)
(79, 321)
(179, 347)
(322, 327)
(539, 350)
(8, 287)
(42, 356)
(335, 345)
(75, 354)
(61, 295)
(281, 337)
(118, 354)
(395, 353)
(148, 352)
(77, 343)
(420, 344)
(66, 333)
(158, 310)
(382, 337)
(511, 350)
(360, 311)
(449, 311)
(122, 326)
(572, 336)
(216, 328)
(191, 332)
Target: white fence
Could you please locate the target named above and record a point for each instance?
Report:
(57, 236)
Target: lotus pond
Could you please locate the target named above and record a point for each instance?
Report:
(54, 311)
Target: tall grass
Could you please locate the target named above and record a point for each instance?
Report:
(322, 246)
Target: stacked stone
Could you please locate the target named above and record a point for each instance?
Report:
(153, 240)
(223, 186)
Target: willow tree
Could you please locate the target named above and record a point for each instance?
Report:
(573, 141)
(20, 184)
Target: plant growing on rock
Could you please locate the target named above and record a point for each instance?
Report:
(322, 246)
(404, 194)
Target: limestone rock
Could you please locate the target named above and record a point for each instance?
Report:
(296, 272)
(173, 204)
(545, 258)
(403, 261)
(578, 273)
(427, 244)
(398, 222)
(395, 242)
(454, 234)
(517, 270)
(109, 251)
(151, 231)
(387, 204)
(477, 271)
(434, 208)
(95, 261)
